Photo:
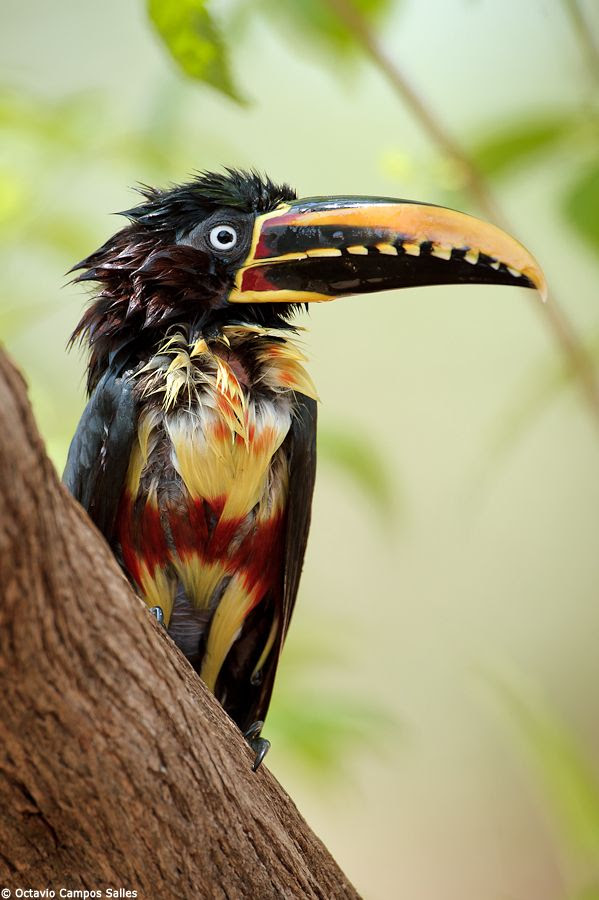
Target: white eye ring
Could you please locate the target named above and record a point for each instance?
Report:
(223, 237)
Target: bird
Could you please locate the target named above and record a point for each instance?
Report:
(195, 455)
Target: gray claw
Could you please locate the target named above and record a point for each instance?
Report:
(259, 745)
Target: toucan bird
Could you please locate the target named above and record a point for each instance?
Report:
(195, 455)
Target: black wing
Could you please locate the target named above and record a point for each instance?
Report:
(248, 701)
(302, 473)
(99, 453)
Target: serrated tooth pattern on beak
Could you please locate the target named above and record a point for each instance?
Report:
(471, 256)
(411, 249)
(323, 251)
(387, 249)
(358, 250)
(443, 251)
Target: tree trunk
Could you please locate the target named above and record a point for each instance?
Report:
(117, 767)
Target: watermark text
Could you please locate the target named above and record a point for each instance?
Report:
(47, 893)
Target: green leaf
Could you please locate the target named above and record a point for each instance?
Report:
(13, 198)
(358, 458)
(71, 236)
(318, 21)
(66, 123)
(190, 33)
(320, 730)
(516, 143)
(317, 719)
(581, 206)
(569, 785)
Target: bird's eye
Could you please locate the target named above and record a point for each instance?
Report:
(223, 237)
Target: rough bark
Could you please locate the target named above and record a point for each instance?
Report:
(117, 768)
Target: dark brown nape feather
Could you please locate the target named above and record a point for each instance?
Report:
(147, 287)
(148, 280)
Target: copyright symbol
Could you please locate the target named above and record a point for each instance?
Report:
(6, 892)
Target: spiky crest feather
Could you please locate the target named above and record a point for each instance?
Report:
(187, 203)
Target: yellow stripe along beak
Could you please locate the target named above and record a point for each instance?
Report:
(321, 248)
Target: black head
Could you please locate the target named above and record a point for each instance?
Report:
(176, 262)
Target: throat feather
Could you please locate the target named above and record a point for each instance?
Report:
(222, 370)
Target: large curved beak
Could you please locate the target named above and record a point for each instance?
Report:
(320, 248)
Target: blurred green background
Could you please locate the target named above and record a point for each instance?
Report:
(435, 717)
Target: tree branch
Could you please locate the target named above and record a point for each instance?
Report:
(574, 352)
(585, 38)
(118, 768)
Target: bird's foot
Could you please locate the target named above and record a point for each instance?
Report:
(158, 614)
(259, 745)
